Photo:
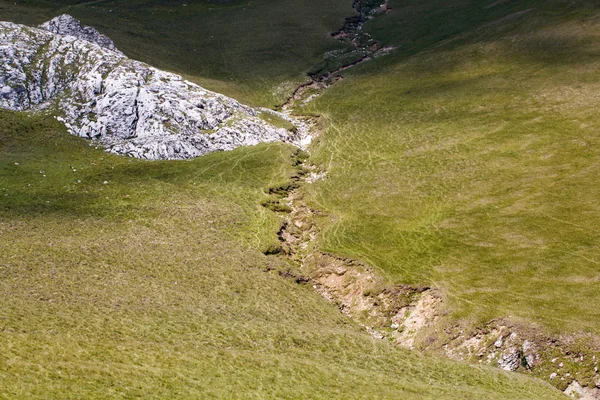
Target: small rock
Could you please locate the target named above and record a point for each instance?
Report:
(498, 342)
(553, 375)
(530, 360)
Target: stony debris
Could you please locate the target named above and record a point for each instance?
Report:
(128, 106)
(498, 342)
(530, 354)
(363, 48)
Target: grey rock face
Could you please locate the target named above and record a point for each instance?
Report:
(130, 107)
(510, 360)
(67, 25)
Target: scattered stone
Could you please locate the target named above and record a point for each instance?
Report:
(529, 353)
(498, 343)
(553, 375)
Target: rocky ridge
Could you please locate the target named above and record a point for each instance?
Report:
(66, 25)
(128, 106)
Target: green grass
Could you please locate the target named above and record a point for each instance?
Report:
(277, 121)
(152, 285)
(468, 159)
(256, 51)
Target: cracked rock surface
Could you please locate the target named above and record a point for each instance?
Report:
(67, 25)
(128, 106)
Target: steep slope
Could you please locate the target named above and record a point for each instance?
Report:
(397, 161)
(255, 51)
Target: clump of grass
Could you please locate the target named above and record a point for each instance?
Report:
(283, 189)
(276, 205)
(272, 249)
(278, 122)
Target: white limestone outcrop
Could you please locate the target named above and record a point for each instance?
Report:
(128, 106)
(67, 25)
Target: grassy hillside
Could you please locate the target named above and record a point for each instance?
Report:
(254, 50)
(122, 279)
(468, 159)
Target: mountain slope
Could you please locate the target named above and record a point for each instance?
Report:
(256, 51)
(467, 161)
(439, 158)
(125, 278)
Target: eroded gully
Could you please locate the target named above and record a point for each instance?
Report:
(414, 317)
